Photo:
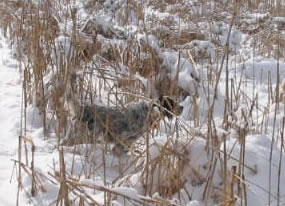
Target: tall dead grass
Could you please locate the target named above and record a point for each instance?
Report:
(33, 31)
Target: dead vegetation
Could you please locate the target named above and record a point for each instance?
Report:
(118, 66)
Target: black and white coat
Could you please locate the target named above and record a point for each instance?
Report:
(120, 125)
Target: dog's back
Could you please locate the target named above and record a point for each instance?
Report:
(117, 123)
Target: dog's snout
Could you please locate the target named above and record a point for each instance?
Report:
(180, 110)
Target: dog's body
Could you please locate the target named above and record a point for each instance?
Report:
(117, 123)
(121, 125)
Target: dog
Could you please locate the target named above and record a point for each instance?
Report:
(121, 125)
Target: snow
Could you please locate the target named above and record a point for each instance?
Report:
(259, 69)
(257, 147)
(257, 157)
(81, 160)
(63, 51)
(10, 110)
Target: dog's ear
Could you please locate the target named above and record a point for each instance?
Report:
(169, 106)
(166, 105)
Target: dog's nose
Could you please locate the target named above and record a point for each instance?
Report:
(180, 110)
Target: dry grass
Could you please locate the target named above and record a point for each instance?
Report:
(34, 30)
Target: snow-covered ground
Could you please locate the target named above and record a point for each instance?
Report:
(257, 148)
(133, 179)
(10, 111)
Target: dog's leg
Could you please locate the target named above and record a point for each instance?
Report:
(124, 146)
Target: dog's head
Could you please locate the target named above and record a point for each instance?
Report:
(169, 107)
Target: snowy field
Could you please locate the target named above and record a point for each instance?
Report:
(10, 101)
(177, 163)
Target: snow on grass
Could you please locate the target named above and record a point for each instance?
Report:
(125, 176)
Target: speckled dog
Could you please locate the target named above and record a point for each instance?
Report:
(121, 125)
